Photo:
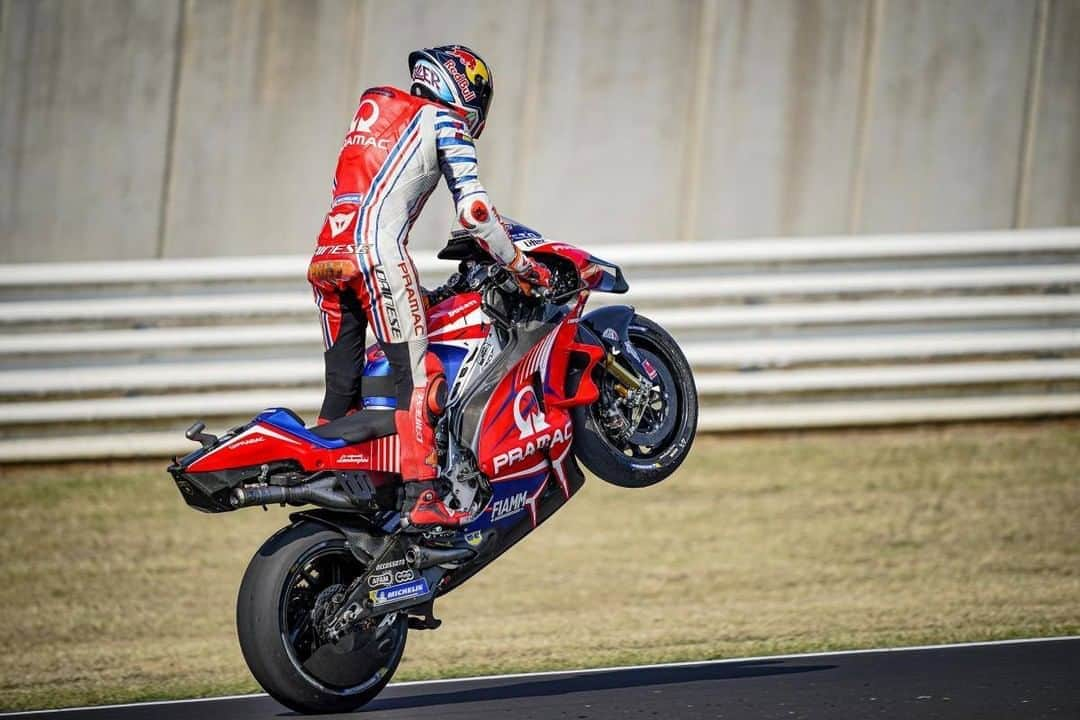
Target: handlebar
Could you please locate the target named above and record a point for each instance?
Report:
(504, 279)
(478, 275)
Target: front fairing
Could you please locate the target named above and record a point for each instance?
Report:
(597, 274)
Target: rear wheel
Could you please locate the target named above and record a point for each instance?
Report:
(639, 443)
(294, 573)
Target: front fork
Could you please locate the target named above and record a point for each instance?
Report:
(634, 392)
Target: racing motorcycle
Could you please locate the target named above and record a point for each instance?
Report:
(534, 384)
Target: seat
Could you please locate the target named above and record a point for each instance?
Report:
(358, 427)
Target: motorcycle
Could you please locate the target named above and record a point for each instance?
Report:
(534, 385)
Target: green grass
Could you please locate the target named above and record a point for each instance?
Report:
(112, 590)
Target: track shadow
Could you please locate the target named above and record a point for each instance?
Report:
(593, 681)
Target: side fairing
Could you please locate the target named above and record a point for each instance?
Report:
(520, 425)
(525, 421)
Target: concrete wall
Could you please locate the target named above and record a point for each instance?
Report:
(84, 122)
(781, 100)
(149, 128)
(948, 109)
(1053, 188)
(261, 102)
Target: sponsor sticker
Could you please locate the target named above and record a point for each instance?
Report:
(348, 198)
(367, 141)
(360, 129)
(531, 446)
(363, 121)
(528, 416)
(460, 80)
(425, 73)
(387, 293)
(335, 250)
(380, 580)
(508, 506)
(474, 538)
(340, 221)
(403, 591)
(463, 309)
(649, 369)
(390, 564)
(416, 307)
(403, 575)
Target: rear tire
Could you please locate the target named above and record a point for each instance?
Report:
(288, 661)
(672, 426)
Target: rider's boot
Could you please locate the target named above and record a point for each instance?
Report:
(424, 507)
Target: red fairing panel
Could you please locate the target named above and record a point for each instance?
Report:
(591, 273)
(262, 444)
(457, 318)
(380, 454)
(518, 428)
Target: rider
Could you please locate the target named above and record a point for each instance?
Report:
(395, 149)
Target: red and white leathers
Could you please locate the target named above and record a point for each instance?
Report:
(396, 148)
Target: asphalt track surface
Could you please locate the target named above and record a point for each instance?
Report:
(1024, 679)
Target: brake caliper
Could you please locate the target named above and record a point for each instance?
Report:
(622, 414)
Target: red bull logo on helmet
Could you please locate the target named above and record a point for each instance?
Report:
(475, 71)
(460, 80)
(474, 66)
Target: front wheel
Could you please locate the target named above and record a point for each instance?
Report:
(637, 442)
(291, 575)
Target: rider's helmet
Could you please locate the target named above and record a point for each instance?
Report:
(456, 76)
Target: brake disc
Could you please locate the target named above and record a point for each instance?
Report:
(658, 420)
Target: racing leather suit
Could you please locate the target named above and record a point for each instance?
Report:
(395, 150)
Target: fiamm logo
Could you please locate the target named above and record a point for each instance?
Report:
(508, 506)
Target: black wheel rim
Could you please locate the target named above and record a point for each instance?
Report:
(361, 658)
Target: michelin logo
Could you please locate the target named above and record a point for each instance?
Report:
(404, 591)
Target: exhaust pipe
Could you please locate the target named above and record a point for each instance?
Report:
(422, 558)
(319, 493)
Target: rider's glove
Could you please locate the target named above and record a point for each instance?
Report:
(530, 275)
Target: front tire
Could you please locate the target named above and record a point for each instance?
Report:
(282, 583)
(662, 440)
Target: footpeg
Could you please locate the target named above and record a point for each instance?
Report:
(427, 621)
(424, 623)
